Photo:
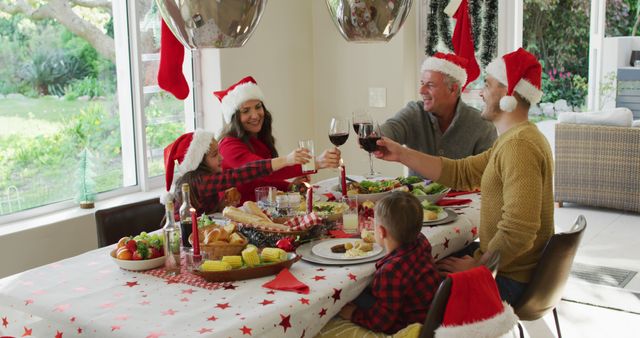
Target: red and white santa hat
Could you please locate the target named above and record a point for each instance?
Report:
(233, 97)
(521, 72)
(189, 150)
(474, 308)
(450, 64)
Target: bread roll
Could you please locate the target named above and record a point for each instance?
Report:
(239, 216)
(253, 208)
(235, 239)
(211, 235)
(230, 227)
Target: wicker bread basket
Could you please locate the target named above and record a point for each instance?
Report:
(217, 249)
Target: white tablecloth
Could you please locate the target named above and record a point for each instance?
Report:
(89, 296)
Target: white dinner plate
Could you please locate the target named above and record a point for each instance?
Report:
(323, 249)
(442, 215)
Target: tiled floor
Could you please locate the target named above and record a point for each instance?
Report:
(612, 239)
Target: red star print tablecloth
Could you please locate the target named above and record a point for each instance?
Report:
(89, 296)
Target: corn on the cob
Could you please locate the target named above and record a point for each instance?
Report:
(250, 256)
(273, 255)
(234, 261)
(215, 266)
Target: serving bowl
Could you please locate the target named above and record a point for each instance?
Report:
(138, 265)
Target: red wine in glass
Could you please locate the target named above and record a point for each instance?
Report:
(369, 143)
(356, 126)
(338, 139)
(368, 136)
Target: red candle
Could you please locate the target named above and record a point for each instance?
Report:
(309, 198)
(343, 180)
(195, 237)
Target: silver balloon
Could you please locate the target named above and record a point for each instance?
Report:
(368, 20)
(212, 23)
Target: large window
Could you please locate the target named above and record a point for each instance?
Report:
(557, 32)
(79, 99)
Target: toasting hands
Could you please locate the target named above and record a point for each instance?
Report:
(389, 150)
(299, 156)
(329, 158)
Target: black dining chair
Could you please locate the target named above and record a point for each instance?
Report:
(440, 299)
(129, 219)
(550, 276)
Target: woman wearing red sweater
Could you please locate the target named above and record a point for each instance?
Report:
(248, 137)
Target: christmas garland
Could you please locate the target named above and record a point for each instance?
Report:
(432, 29)
(489, 32)
(443, 25)
(476, 21)
(484, 15)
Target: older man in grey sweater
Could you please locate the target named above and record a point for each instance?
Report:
(441, 124)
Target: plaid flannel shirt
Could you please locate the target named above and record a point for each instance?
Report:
(403, 286)
(208, 186)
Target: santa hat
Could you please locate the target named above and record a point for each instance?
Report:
(188, 150)
(450, 64)
(520, 71)
(474, 308)
(233, 97)
(462, 38)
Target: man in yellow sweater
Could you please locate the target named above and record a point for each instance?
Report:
(514, 175)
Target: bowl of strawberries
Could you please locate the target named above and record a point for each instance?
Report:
(138, 253)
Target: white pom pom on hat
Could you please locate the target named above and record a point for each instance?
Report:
(508, 103)
(521, 72)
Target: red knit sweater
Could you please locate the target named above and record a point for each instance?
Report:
(235, 154)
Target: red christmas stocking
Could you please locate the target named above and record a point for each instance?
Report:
(170, 77)
(462, 38)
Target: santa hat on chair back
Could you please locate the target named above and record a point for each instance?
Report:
(474, 308)
(450, 64)
(188, 150)
(233, 97)
(521, 72)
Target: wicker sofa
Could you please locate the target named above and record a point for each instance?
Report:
(598, 166)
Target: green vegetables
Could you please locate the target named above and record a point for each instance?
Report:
(429, 189)
(204, 220)
(372, 187)
(409, 180)
(426, 205)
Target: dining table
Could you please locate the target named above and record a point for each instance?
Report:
(90, 296)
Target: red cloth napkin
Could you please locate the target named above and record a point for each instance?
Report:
(286, 281)
(458, 193)
(453, 201)
(339, 234)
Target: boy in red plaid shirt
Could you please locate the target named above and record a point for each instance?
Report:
(405, 279)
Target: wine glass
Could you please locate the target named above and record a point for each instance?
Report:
(338, 131)
(360, 117)
(368, 135)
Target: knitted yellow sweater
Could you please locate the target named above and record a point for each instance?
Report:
(516, 214)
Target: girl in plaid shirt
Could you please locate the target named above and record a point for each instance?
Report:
(405, 279)
(199, 166)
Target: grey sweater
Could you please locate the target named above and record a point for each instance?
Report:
(467, 135)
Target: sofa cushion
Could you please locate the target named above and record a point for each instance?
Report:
(621, 117)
